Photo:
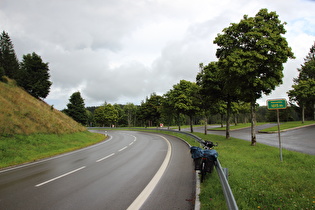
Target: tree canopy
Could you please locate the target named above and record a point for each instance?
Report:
(76, 108)
(184, 99)
(251, 54)
(303, 92)
(9, 64)
(34, 76)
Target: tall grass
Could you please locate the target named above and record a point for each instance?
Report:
(21, 113)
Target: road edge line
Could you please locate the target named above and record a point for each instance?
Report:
(143, 196)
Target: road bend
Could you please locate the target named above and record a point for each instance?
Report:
(109, 175)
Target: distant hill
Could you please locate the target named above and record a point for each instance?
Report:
(20, 113)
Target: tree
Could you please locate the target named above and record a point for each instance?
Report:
(151, 109)
(34, 76)
(251, 54)
(211, 90)
(106, 115)
(76, 108)
(8, 60)
(184, 99)
(130, 111)
(303, 92)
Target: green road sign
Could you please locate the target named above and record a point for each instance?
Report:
(277, 104)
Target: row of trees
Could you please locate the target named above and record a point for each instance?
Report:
(250, 56)
(32, 73)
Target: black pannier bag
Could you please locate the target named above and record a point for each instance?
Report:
(196, 154)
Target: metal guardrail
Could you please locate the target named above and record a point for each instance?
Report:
(229, 197)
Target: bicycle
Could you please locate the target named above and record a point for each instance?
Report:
(209, 156)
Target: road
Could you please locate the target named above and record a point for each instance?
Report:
(300, 140)
(109, 175)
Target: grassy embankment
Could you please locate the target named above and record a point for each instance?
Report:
(257, 177)
(30, 129)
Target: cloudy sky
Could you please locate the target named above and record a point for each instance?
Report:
(121, 51)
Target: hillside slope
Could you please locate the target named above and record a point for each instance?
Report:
(20, 113)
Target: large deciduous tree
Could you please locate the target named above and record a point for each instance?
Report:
(251, 54)
(76, 108)
(34, 76)
(9, 64)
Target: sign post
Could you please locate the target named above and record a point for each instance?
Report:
(277, 104)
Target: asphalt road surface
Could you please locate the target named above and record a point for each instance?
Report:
(300, 140)
(129, 170)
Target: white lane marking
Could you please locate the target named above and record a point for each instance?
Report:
(150, 187)
(122, 149)
(131, 143)
(105, 157)
(58, 177)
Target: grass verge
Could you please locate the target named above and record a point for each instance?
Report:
(235, 127)
(288, 125)
(20, 149)
(258, 179)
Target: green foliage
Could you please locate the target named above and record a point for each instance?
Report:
(130, 111)
(2, 73)
(8, 60)
(34, 76)
(184, 99)
(251, 54)
(254, 51)
(106, 115)
(303, 92)
(76, 108)
(150, 110)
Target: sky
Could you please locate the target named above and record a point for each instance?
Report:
(122, 51)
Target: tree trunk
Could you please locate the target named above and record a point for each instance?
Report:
(191, 124)
(303, 109)
(228, 113)
(206, 122)
(221, 120)
(253, 122)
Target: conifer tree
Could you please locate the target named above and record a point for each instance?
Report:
(76, 108)
(34, 76)
(8, 60)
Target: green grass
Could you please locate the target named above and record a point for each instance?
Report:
(258, 179)
(235, 127)
(20, 149)
(288, 125)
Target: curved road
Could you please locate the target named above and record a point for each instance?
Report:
(109, 175)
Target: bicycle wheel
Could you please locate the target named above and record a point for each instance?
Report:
(203, 171)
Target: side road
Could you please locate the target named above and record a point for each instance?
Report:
(300, 139)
